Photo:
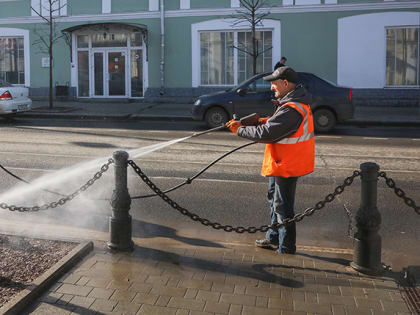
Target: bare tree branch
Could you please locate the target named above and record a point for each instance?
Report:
(40, 15)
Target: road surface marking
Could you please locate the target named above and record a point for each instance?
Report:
(372, 138)
(330, 137)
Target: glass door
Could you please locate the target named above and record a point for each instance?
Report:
(136, 72)
(98, 70)
(116, 73)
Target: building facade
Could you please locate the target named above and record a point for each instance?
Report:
(149, 48)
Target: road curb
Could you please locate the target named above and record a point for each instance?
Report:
(129, 117)
(43, 282)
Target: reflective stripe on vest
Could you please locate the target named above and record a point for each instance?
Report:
(306, 136)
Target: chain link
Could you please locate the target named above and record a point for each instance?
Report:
(63, 200)
(400, 193)
(240, 229)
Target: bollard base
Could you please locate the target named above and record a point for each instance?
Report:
(117, 247)
(367, 271)
(120, 234)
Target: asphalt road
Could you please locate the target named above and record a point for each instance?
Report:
(230, 192)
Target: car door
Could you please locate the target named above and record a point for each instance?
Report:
(254, 98)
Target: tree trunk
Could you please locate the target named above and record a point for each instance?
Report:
(254, 44)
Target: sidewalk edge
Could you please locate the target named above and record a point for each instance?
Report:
(40, 284)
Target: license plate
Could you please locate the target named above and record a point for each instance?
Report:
(22, 107)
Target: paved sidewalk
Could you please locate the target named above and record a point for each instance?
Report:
(163, 276)
(406, 116)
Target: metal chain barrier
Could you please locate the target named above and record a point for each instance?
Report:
(240, 229)
(63, 200)
(400, 193)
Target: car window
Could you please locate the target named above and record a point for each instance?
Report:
(258, 86)
(4, 84)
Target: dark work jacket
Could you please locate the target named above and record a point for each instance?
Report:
(284, 122)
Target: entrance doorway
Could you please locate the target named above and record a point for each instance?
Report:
(109, 75)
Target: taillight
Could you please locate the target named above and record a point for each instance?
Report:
(6, 96)
(350, 95)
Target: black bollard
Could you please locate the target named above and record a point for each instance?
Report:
(367, 242)
(120, 221)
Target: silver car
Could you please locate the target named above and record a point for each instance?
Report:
(13, 99)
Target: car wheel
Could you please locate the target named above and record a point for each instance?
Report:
(324, 120)
(216, 117)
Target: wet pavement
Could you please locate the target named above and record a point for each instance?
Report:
(163, 276)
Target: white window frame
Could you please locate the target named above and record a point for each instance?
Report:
(418, 56)
(227, 25)
(17, 32)
(41, 7)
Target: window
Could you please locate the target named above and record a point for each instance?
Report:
(59, 7)
(219, 58)
(402, 56)
(12, 60)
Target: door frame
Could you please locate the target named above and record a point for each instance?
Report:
(105, 52)
(91, 50)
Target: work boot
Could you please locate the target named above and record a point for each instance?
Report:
(264, 243)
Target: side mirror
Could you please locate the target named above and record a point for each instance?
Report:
(242, 92)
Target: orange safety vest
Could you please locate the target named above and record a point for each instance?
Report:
(294, 155)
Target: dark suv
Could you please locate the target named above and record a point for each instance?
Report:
(331, 104)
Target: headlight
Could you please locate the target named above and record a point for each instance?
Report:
(197, 102)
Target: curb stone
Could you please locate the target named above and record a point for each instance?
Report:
(17, 304)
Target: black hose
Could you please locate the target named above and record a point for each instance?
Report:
(189, 180)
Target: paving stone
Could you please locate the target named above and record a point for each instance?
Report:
(267, 292)
(352, 291)
(46, 309)
(72, 279)
(81, 301)
(338, 310)
(50, 297)
(98, 283)
(83, 281)
(275, 303)
(312, 307)
(83, 311)
(163, 300)
(191, 294)
(74, 289)
(208, 296)
(350, 310)
(216, 307)
(122, 295)
(293, 295)
(157, 280)
(145, 298)
(177, 302)
(238, 299)
(251, 310)
(182, 312)
(103, 305)
(200, 313)
(127, 308)
(223, 288)
(395, 306)
(261, 301)
(164, 290)
(195, 284)
(156, 310)
(366, 303)
(140, 287)
(64, 299)
(120, 284)
(100, 293)
(336, 299)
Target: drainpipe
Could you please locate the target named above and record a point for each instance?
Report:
(162, 47)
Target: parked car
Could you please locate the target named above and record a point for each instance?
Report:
(13, 99)
(331, 103)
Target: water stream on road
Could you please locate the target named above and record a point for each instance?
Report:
(58, 180)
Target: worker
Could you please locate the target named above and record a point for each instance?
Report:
(289, 153)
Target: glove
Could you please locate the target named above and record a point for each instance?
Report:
(233, 125)
(263, 120)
